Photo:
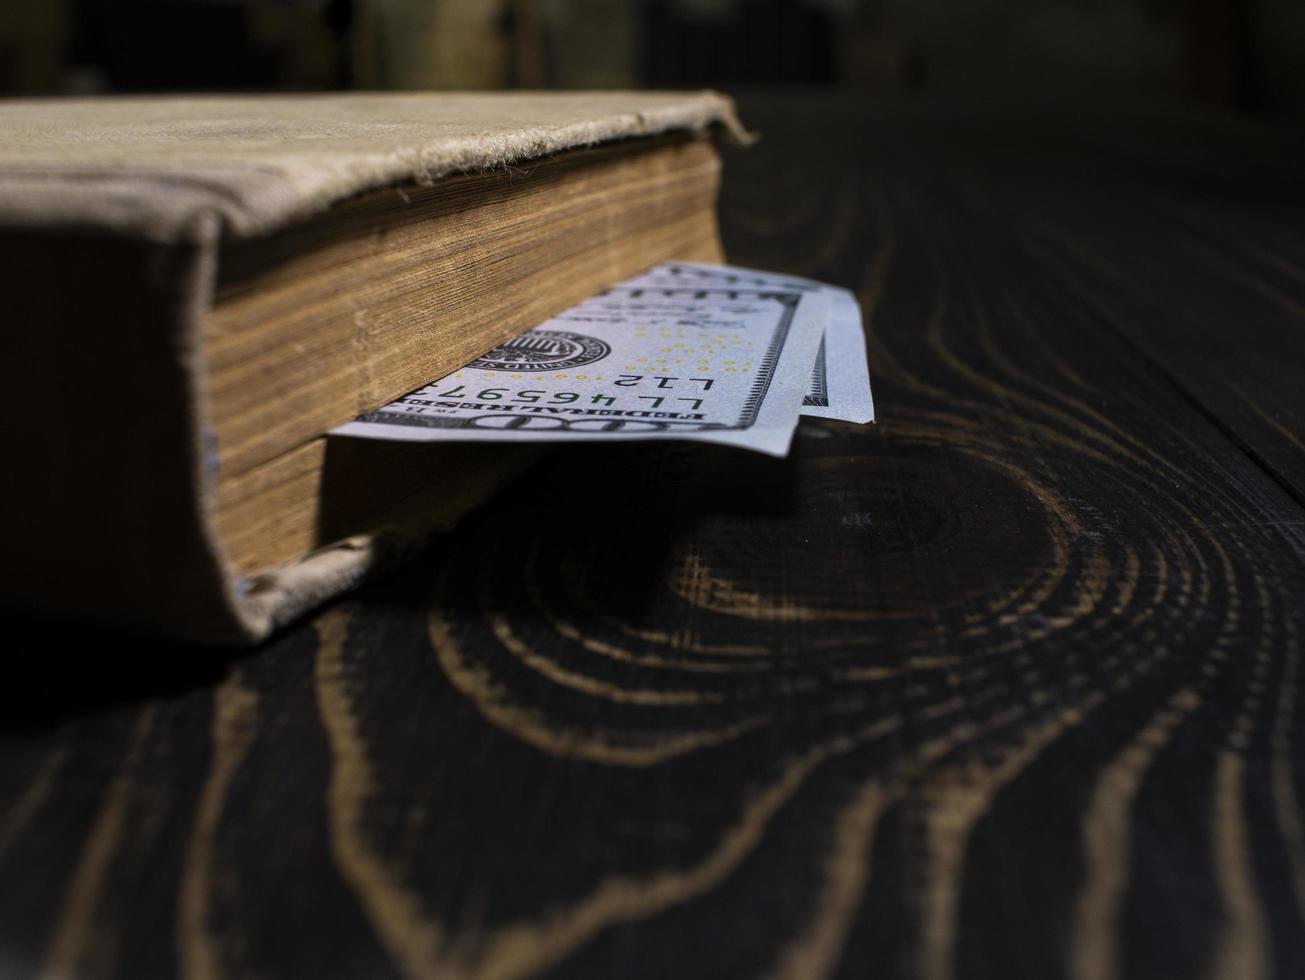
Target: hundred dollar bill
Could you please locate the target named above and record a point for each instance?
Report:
(840, 381)
(714, 362)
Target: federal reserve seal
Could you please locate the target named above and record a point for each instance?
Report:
(543, 350)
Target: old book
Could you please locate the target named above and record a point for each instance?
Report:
(197, 289)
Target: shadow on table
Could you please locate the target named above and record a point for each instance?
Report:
(624, 505)
(56, 670)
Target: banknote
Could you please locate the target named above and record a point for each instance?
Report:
(724, 362)
(840, 381)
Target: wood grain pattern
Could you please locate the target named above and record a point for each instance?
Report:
(1006, 685)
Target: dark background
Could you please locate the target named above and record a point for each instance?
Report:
(1247, 57)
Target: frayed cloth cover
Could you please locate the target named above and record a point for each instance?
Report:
(152, 166)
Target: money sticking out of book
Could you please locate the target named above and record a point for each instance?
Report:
(253, 271)
(687, 351)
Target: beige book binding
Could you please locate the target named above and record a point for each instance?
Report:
(197, 289)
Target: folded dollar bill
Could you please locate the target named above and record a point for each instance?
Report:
(682, 351)
(840, 382)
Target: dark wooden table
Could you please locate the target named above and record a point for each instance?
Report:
(1006, 685)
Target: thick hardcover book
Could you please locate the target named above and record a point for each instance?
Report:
(198, 289)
